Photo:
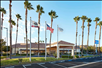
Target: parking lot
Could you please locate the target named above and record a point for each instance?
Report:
(95, 62)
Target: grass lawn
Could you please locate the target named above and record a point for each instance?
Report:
(34, 60)
(26, 60)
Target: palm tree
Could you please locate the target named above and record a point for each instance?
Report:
(83, 19)
(12, 23)
(39, 11)
(27, 6)
(53, 15)
(89, 21)
(24, 39)
(43, 41)
(96, 20)
(100, 24)
(10, 29)
(18, 17)
(3, 12)
(76, 19)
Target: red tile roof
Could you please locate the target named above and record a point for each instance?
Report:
(34, 45)
(62, 42)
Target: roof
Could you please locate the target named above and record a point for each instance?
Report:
(62, 42)
(34, 45)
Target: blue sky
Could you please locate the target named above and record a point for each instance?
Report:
(66, 10)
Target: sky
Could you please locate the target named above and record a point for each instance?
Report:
(66, 11)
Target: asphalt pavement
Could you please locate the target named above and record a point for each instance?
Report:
(94, 62)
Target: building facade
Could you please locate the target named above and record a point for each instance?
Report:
(64, 47)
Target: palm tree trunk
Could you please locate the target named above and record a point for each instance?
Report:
(99, 40)
(1, 32)
(76, 36)
(10, 32)
(50, 37)
(26, 33)
(82, 35)
(38, 32)
(16, 36)
(95, 36)
(88, 38)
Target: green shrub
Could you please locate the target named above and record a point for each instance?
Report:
(64, 56)
(55, 54)
(71, 57)
(20, 60)
(76, 56)
(2, 57)
(42, 53)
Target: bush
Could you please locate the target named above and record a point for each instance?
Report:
(71, 57)
(4, 54)
(64, 56)
(55, 54)
(20, 60)
(82, 55)
(42, 53)
(2, 57)
(76, 56)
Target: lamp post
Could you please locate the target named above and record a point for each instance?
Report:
(79, 44)
(7, 38)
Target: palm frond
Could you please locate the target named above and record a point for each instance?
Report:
(18, 16)
(89, 20)
(83, 17)
(3, 10)
(52, 14)
(100, 23)
(97, 19)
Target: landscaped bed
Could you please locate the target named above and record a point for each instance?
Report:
(26, 60)
(8, 62)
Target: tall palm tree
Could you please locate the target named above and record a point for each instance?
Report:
(100, 24)
(89, 21)
(12, 24)
(3, 12)
(76, 19)
(10, 29)
(53, 15)
(27, 6)
(24, 39)
(39, 11)
(83, 19)
(18, 17)
(96, 20)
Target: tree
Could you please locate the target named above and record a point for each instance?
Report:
(83, 19)
(4, 48)
(96, 20)
(43, 41)
(24, 39)
(53, 15)
(27, 6)
(90, 48)
(2, 44)
(100, 24)
(18, 17)
(3, 12)
(39, 11)
(101, 49)
(10, 29)
(76, 19)
(89, 21)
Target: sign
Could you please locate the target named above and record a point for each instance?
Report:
(96, 42)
